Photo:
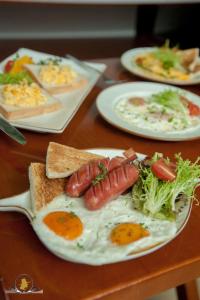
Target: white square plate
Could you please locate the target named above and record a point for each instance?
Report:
(56, 122)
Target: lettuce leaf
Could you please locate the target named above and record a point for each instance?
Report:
(7, 78)
(157, 198)
(171, 99)
(168, 56)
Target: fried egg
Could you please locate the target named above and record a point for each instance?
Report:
(108, 235)
(152, 117)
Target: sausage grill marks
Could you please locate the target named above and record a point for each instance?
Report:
(115, 183)
(80, 181)
(119, 176)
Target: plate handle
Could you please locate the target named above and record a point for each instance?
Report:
(20, 203)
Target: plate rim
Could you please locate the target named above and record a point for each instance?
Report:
(128, 257)
(104, 114)
(42, 129)
(147, 74)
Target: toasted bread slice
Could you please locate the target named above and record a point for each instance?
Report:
(12, 112)
(43, 190)
(189, 58)
(62, 161)
(55, 89)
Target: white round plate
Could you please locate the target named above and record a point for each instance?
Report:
(22, 203)
(108, 98)
(128, 62)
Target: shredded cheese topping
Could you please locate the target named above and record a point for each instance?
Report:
(56, 75)
(23, 95)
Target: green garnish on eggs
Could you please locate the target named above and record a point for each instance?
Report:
(54, 61)
(169, 99)
(167, 56)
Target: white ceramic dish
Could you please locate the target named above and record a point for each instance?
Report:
(22, 203)
(128, 62)
(108, 98)
(56, 122)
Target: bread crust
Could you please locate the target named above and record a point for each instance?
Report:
(62, 161)
(20, 112)
(43, 190)
(190, 58)
(59, 89)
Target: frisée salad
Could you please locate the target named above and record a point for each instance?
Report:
(164, 184)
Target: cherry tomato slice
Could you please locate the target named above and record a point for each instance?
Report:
(8, 66)
(163, 171)
(194, 109)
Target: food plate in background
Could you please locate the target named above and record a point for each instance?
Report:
(128, 59)
(22, 203)
(108, 99)
(57, 121)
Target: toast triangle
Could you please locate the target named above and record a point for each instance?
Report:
(43, 190)
(62, 161)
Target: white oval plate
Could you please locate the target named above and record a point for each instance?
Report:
(22, 203)
(109, 97)
(128, 62)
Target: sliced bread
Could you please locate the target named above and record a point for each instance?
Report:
(62, 161)
(12, 112)
(43, 190)
(189, 58)
(52, 88)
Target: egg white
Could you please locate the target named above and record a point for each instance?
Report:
(94, 246)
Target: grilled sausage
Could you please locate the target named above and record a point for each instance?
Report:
(114, 184)
(81, 179)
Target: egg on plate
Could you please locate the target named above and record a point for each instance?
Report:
(98, 237)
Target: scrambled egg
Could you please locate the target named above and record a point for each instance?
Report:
(150, 63)
(23, 95)
(56, 75)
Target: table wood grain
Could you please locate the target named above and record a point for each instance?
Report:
(22, 252)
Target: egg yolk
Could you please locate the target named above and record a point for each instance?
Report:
(65, 224)
(127, 233)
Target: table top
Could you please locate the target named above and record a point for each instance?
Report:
(103, 2)
(23, 253)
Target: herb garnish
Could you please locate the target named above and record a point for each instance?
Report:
(102, 175)
(79, 246)
(54, 61)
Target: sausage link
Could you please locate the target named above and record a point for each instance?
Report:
(81, 179)
(115, 183)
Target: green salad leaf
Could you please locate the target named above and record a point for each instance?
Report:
(167, 56)
(171, 99)
(7, 78)
(157, 198)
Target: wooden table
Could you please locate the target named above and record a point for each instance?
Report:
(22, 253)
(104, 2)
